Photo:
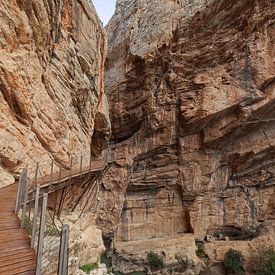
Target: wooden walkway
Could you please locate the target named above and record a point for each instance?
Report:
(57, 178)
(16, 255)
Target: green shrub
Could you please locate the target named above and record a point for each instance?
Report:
(201, 253)
(263, 262)
(155, 261)
(87, 268)
(28, 225)
(104, 259)
(249, 234)
(233, 262)
(51, 231)
(132, 273)
(137, 273)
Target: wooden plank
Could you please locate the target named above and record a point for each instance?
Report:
(17, 235)
(5, 246)
(15, 252)
(16, 260)
(18, 268)
(28, 272)
(16, 256)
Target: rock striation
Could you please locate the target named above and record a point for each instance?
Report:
(52, 100)
(192, 92)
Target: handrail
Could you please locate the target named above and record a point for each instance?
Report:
(77, 166)
(25, 196)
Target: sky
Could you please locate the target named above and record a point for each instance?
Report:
(105, 9)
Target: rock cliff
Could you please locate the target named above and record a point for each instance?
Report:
(52, 101)
(192, 92)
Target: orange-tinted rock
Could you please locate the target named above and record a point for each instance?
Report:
(51, 82)
(192, 92)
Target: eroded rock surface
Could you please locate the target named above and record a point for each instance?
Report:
(52, 99)
(192, 90)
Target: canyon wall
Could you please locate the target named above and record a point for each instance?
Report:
(192, 92)
(52, 100)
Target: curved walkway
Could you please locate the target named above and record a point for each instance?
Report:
(16, 255)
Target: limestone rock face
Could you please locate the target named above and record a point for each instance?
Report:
(52, 99)
(192, 90)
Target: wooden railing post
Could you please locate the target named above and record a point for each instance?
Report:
(52, 172)
(81, 162)
(41, 235)
(36, 173)
(64, 251)
(51, 180)
(105, 157)
(60, 171)
(35, 214)
(90, 162)
(71, 167)
(19, 191)
(26, 192)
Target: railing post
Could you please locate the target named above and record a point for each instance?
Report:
(41, 235)
(105, 157)
(19, 191)
(81, 160)
(35, 214)
(52, 172)
(71, 167)
(51, 180)
(60, 170)
(64, 251)
(26, 192)
(36, 173)
(90, 163)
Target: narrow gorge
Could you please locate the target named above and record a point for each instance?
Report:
(183, 94)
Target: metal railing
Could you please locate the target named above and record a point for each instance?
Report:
(54, 172)
(30, 198)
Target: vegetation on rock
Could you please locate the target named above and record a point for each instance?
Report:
(233, 262)
(249, 233)
(263, 262)
(200, 252)
(155, 261)
(104, 259)
(87, 268)
(51, 231)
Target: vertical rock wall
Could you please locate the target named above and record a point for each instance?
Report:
(191, 85)
(52, 101)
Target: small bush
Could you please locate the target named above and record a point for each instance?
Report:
(233, 262)
(87, 268)
(263, 262)
(249, 233)
(155, 261)
(104, 259)
(200, 251)
(51, 231)
(28, 225)
(132, 273)
(183, 264)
